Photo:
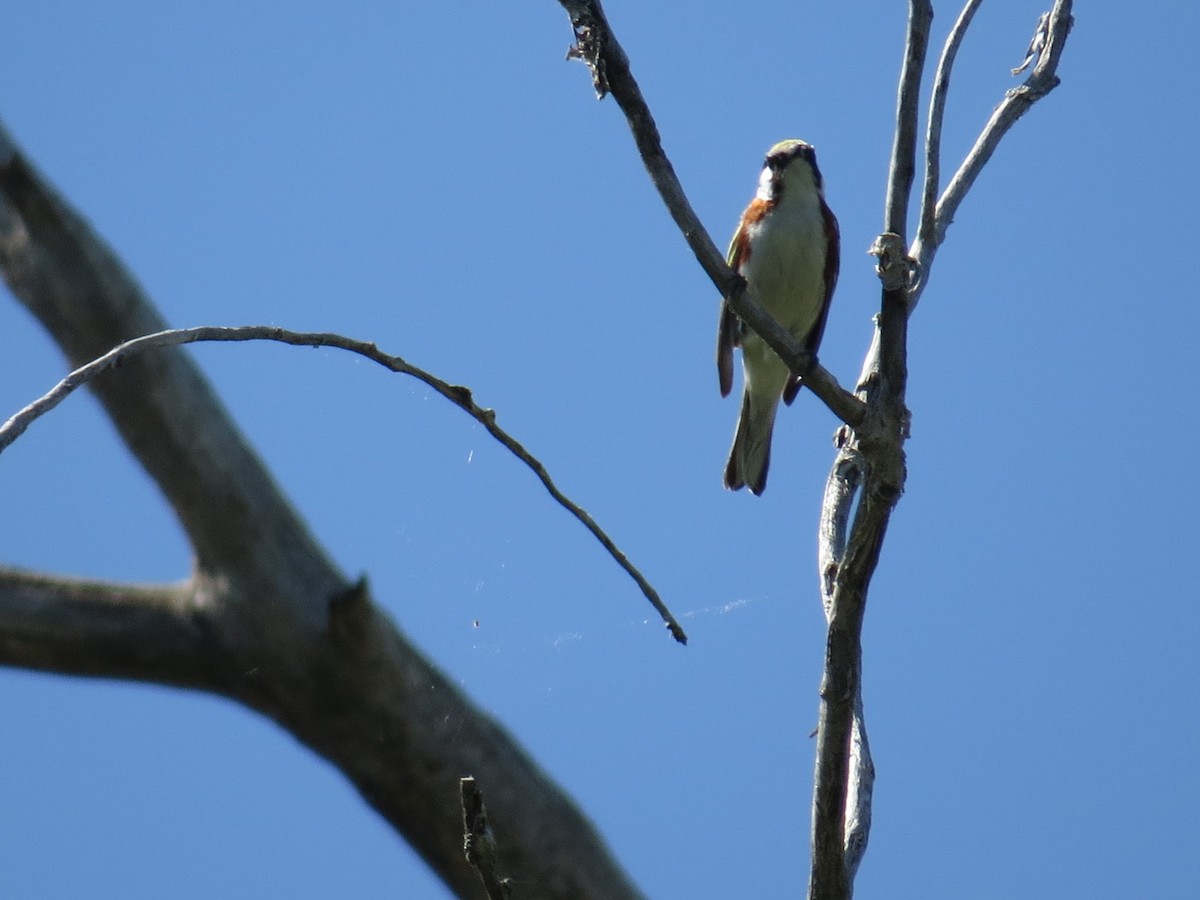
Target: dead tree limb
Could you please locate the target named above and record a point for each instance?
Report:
(868, 474)
(266, 618)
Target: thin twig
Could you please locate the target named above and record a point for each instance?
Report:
(1036, 44)
(903, 165)
(598, 47)
(1041, 81)
(479, 842)
(458, 395)
(937, 113)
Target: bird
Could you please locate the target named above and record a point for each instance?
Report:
(787, 247)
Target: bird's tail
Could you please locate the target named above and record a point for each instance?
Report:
(750, 455)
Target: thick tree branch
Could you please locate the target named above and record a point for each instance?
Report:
(597, 46)
(281, 628)
(460, 396)
(80, 627)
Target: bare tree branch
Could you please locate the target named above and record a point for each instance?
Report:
(479, 842)
(460, 396)
(869, 469)
(1036, 44)
(1041, 81)
(870, 462)
(275, 624)
(902, 168)
(937, 113)
(81, 627)
(597, 46)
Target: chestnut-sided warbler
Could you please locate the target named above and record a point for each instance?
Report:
(787, 248)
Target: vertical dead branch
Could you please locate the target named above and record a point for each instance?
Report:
(870, 466)
(937, 113)
(868, 474)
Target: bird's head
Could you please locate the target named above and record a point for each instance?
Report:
(790, 167)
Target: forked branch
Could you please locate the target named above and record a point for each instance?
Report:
(868, 474)
(266, 618)
(1048, 42)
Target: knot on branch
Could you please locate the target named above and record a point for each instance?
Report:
(896, 269)
(881, 446)
(873, 452)
(460, 395)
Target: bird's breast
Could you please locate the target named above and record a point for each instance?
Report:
(786, 264)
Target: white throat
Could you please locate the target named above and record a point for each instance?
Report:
(764, 184)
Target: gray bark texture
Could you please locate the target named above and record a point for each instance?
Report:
(266, 618)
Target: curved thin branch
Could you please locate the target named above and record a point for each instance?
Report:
(597, 46)
(1041, 81)
(937, 113)
(458, 395)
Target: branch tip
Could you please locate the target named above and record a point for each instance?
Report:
(1037, 44)
(591, 32)
(479, 842)
(895, 268)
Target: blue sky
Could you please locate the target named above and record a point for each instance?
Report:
(435, 178)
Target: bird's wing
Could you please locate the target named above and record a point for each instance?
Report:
(728, 327)
(833, 257)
